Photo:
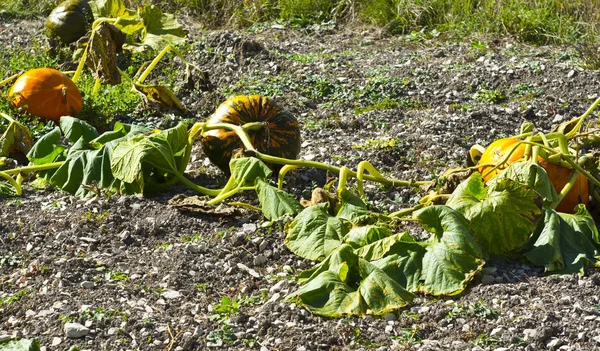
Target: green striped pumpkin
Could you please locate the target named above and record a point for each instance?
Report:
(279, 137)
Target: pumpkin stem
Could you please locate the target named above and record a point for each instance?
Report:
(63, 90)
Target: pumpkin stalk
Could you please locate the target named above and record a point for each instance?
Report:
(13, 182)
(565, 190)
(153, 64)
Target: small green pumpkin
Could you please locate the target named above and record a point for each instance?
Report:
(279, 137)
(70, 20)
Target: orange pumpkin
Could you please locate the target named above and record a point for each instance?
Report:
(558, 175)
(46, 93)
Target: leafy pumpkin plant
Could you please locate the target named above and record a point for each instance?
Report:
(503, 152)
(364, 266)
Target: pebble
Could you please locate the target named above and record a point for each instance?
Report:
(530, 334)
(75, 330)
(171, 294)
(86, 284)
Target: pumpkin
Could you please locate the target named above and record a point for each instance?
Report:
(46, 93)
(70, 20)
(558, 175)
(280, 136)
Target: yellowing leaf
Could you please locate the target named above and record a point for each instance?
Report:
(161, 95)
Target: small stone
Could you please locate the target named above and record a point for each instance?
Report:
(56, 341)
(497, 332)
(250, 271)
(171, 294)
(277, 287)
(530, 334)
(259, 260)
(571, 74)
(76, 330)
(112, 331)
(466, 327)
(554, 344)
(87, 284)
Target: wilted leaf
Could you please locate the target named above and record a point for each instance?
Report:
(361, 236)
(129, 21)
(16, 137)
(502, 216)
(452, 256)
(314, 234)
(161, 95)
(160, 29)
(158, 150)
(565, 243)
(106, 41)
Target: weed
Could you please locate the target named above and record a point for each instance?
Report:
(9, 259)
(408, 336)
(380, 143)
(478, 48)
(202, 287)
(14, 298)
(485, 340)
(479, 310)
(491, 96)
(526, 91)
(192, 238)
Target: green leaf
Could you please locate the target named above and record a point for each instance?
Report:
(159, 150)
(565, 243)
(47, 148)
(502, 216)
(530, 174)
(382, 247)
(327, 295)
(276, 203)
(361, 236)
(452, 256)
(160, 29)
(354, 209)
(12, 344)
(380, 292)
(6, 189)
(89, 164)
(75, 128)
(16, 137)
(246, 170)
(314, 234)
(343, 261)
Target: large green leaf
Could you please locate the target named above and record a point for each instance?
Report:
(327, 294)
(246, 170)
(160, 29)
(502, 216)
(565, 243)
(276, 203)
(13, 344)
(314, 234)
(380, 292)
(158, 150)
(75, 128)
(380, 248)
(531, 174)
(361, 236)
(88, 165)
(129, 21)
(47, 148)
(343, 261)
(452, 256)
(354, 209)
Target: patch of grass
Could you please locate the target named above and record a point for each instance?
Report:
(480, 310)
(492, 96)
(16, 297)
(485, 340)
(526, 91)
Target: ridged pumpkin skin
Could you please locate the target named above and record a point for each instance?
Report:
(70, 20)
(47, 93)
(279, 137)
(558, 175)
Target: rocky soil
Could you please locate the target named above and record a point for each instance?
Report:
(134, 273)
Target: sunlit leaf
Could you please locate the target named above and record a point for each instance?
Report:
(275, 203)
(161, 95)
